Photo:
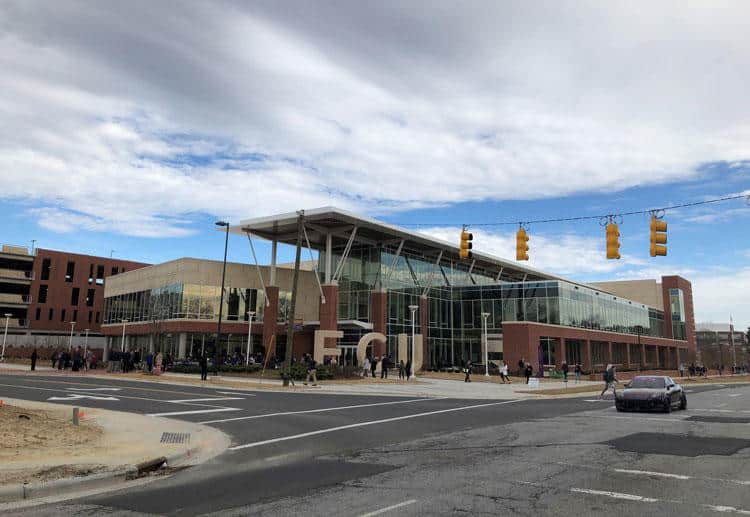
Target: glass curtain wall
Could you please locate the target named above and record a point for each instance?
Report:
(677, 308)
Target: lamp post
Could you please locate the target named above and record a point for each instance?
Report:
(250, 315)
(70, 342)
(122, 344)
(486, 315)
(5, 335)
(225, 225)
(413, 309)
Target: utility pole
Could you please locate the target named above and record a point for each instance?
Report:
(293, 305)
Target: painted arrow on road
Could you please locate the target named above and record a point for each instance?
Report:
(76, 396)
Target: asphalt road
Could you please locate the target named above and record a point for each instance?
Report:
(320, 454)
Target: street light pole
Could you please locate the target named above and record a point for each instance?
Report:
(486, 315)
(5, 335)
(122, 344)
(225, 225)
(413, 309)
(250, 315)
(70, 342)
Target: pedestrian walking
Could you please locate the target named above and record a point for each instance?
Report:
(374, 366)
(150, 361)
(578, 371)
(311, 370)
(34, 357)
(401, 369)
(564, 369)
(504, 373)
(384, 364)
(610, 380)
(521, 366)
(681, 369)
(365, 367)
(467, 371)
(408, 369)
(528, 372)
(203, 362)
(54, 359)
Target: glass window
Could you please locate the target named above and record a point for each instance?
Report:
(90, 298)
(70, 271)
(74, 295)
(43, 289)
(99, 275)
(46, 266)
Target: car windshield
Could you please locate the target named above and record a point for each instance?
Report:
(648, 382)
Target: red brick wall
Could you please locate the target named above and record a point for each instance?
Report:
(379, 305)
(59, 291)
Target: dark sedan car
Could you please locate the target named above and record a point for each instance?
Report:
(651, 392)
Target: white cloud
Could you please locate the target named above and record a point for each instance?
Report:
(718, 296)
(122, 117)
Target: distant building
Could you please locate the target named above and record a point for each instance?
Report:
(715, 345)
(47, 293)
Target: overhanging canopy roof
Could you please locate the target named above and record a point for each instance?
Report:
(339, 223)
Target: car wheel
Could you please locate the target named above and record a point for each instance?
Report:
(683, 402)
(619, 408)
(667, 406)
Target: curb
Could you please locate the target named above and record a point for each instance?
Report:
(26, 491)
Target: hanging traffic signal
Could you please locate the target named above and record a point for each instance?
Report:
(465, 246)
(613, 241)
(522, 245)
(658, 237)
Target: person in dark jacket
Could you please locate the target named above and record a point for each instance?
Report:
(408, 369)
(564, 369)
(384, 364)
(521, 366)
(373, 366)
(467, 371)
(529, 371)
(34, 357)
(203, 362)
(401, 370)
(54, 359)
(311, 370)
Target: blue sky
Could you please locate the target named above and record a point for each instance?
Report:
(126, 128)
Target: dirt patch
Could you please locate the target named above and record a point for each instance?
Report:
(33, 432)
(23, 429)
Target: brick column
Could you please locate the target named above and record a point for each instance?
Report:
(587, 355)
(329, 311)
(270, 314)
(658, 359)
(609, 352)
(424, 318)
(379, 311)
(643, 357)
(627, 355)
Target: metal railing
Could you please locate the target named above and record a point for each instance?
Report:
(15, 298)
(16, 274)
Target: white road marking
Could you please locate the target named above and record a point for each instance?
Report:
(205, 400)
(195, 412)
(367, 423)
(721, 410)
(389, 508)
(650, 473)
(597, 400)
(615, 495)
(79, 396)
(726, 509)
(594, 467)
(735, 395)
(93, 389)
(723, 405)
(243, 393)
(321, 410)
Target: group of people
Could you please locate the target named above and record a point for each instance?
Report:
(76, 360)
(370, 366)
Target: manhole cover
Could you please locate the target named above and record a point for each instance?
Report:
(175, 437)
(720, 419)
(678, 444)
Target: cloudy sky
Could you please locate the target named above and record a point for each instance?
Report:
(131, 126)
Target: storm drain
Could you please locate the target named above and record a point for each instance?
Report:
(175, 437)
(678, 444)
(719, 419)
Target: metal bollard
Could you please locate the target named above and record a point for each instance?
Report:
(75, 416)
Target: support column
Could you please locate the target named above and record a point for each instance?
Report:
(329, 258)
(272, 272)
(643, 357)
(627, 355)
(270, 314)
(658, 359)
(609, 352)
(561, 354)
(329, 312)
(107, 346)
(379, 309)
(151, 343)
(587, 355)
(182, 346)
(424, 319)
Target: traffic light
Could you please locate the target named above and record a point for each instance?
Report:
(658, 237)
(613, 241)
(465, 246)
(522, 244)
